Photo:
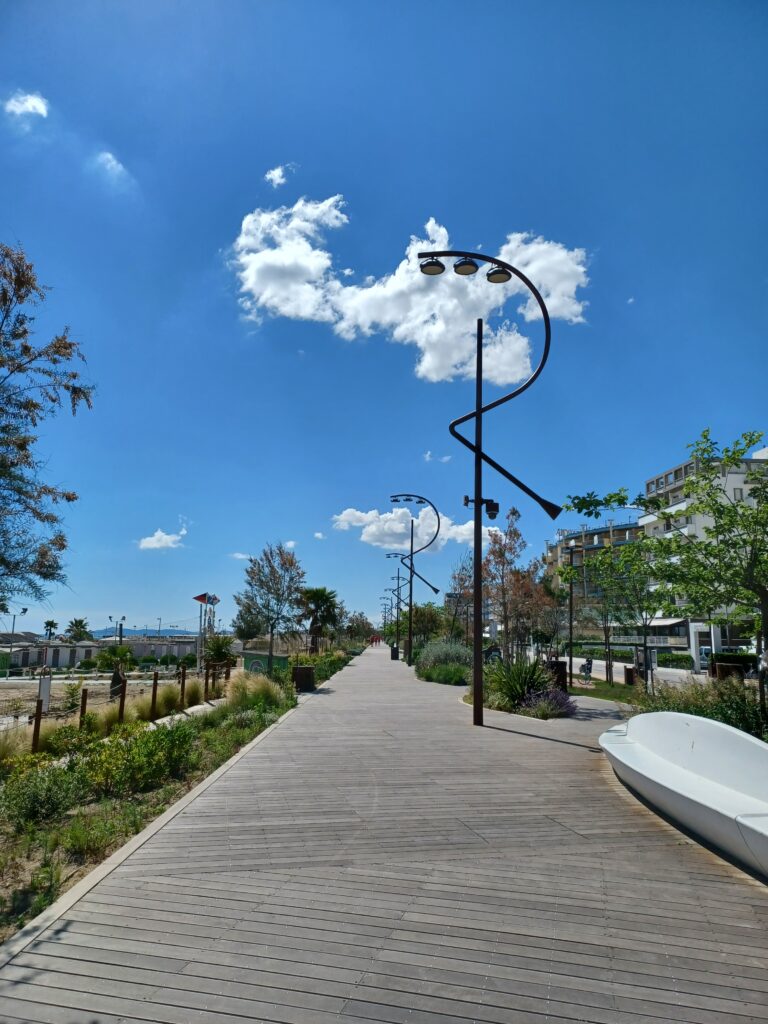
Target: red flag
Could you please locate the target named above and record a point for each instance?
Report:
(202, 598)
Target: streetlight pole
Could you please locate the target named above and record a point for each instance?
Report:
(571, 547)
(420, 500)
(500, 272)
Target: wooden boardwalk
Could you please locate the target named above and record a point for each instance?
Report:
(376, 858)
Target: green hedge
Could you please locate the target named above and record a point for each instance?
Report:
(671, 659)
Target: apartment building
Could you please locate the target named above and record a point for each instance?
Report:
(583, 543)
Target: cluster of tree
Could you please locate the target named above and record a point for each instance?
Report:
(36, 381)
(718, 573)
(275, 602)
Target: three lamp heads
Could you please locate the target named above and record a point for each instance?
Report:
(465, 267)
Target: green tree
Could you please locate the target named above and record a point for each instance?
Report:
(50, 627)
(503, 583)
(428, 622)
(272, 593)
(248, 623)
(109, 658)
(35, 382)
(77, 630)
(219, 649)
(605, 605)
(359, 626)
(321, 606)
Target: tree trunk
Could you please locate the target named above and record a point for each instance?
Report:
(271, 655)
(761, 680)
(608, 658)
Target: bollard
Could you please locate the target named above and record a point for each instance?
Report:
(207, 677)
(121, 709)
(83, 706)
(183, 684)
(36, 729)
(153, 709)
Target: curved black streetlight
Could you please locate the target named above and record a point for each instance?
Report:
(407, 560)
(499, 272)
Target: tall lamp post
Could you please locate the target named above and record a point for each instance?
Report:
(407, 560)
(500, 272)
(10, 646)
(571, 548)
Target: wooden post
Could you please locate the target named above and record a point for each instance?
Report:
(227, 671)
(153, 709)
(123, 688)
(183, 684)
(83, 706)
(36, 727)
(207, 677)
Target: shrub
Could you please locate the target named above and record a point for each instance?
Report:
(452, 675)
(672, 659)
(729, 700)
(88, 837)
(12, 742)
(71, 696)
(745, 661)
(137, 758)
(39, 789)
(443, 652)
(508, 684)
(63, 740)
(168, 699)
(107, 717)
(87, 664)
(142, 707)
(550, 703)
(193, 693)
(248, 691)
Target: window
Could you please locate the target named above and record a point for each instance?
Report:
(678, 474)
(738, 494)
(659, 482)
(689, 469)
(670, 479)
(650, 488)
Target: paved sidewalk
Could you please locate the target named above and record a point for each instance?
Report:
(376, 858)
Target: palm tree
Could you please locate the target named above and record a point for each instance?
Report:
(78, 629)
(321, 607)
(50, 628)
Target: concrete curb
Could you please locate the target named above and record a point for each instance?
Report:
(18, 942)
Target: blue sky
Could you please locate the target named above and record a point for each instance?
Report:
(629, 138)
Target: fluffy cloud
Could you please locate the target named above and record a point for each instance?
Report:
(26, 104)
(160, 540)
(319, 535)
(285, 270)
(240, 554)
(393, 529)
(277, 176)
(114, 172)
(429, 457)
(290, 545)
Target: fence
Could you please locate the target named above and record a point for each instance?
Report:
(25, 712)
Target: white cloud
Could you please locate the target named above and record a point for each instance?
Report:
(111, 168)
(630, 300)
(347, 271)
(445, 458)
(428, 456)
(240, 554)
(393, 529)
(279, 175)
(26, 104)
(284, 270)
(319, 535)
(160, 540)
(290, 545)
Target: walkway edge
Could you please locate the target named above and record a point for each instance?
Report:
(18, 942)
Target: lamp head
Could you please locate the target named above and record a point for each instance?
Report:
(465, 266)
(432, 266)
(498, 275)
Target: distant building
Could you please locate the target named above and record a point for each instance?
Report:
(585, 543)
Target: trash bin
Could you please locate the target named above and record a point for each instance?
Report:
(394, 653)
(629, 675)
(303, 677)
(559, 670)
